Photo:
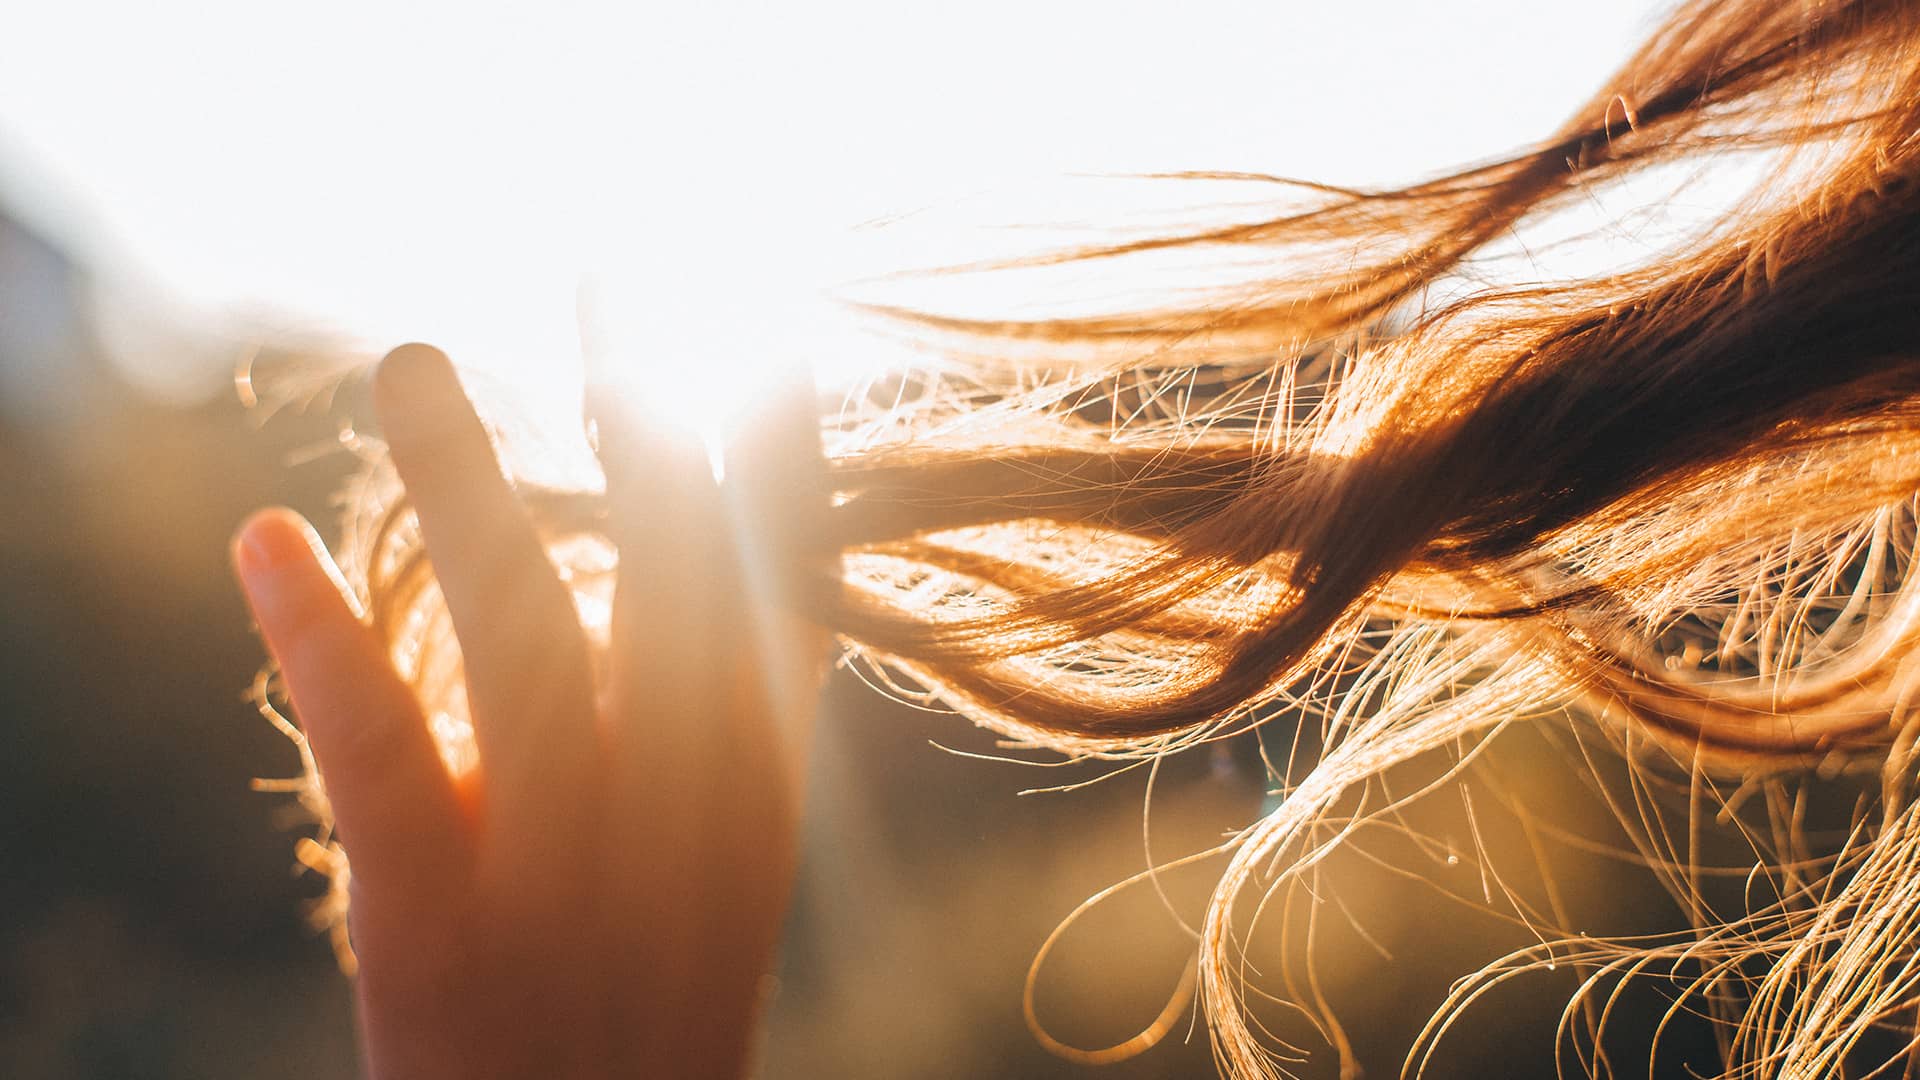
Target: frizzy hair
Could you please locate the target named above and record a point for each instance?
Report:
(1674, 503)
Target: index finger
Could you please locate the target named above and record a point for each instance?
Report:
(391, 795)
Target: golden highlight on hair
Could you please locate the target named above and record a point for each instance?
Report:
(1674, 503)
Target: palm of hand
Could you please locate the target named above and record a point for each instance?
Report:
(602, 896)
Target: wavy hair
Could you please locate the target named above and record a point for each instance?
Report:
(1374, 496)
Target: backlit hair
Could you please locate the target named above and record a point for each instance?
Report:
(1373, 496)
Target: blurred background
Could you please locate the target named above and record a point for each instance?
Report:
(183, 194)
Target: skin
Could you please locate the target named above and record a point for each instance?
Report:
(602, 897)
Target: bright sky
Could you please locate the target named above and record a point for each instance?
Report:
(454, 171)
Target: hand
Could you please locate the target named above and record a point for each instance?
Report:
(602, 896)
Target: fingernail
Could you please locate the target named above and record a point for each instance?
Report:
(413, 378)
(415, 365)
(271, 539)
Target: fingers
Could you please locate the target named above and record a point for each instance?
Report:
(678, 603)
(392, 797)
(705, 790)
(528, 673)
(777, 494)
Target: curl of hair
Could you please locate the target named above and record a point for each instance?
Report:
(1674, 503)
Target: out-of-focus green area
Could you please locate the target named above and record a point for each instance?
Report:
(151, 915)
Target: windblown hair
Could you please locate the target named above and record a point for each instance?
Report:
(1675, 502)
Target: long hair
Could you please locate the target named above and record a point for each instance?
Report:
(1367, 496)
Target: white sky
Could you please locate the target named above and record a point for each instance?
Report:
(450, 171)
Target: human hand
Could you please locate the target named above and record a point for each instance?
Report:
(602, 896)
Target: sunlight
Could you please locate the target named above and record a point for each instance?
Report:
(460, 173)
